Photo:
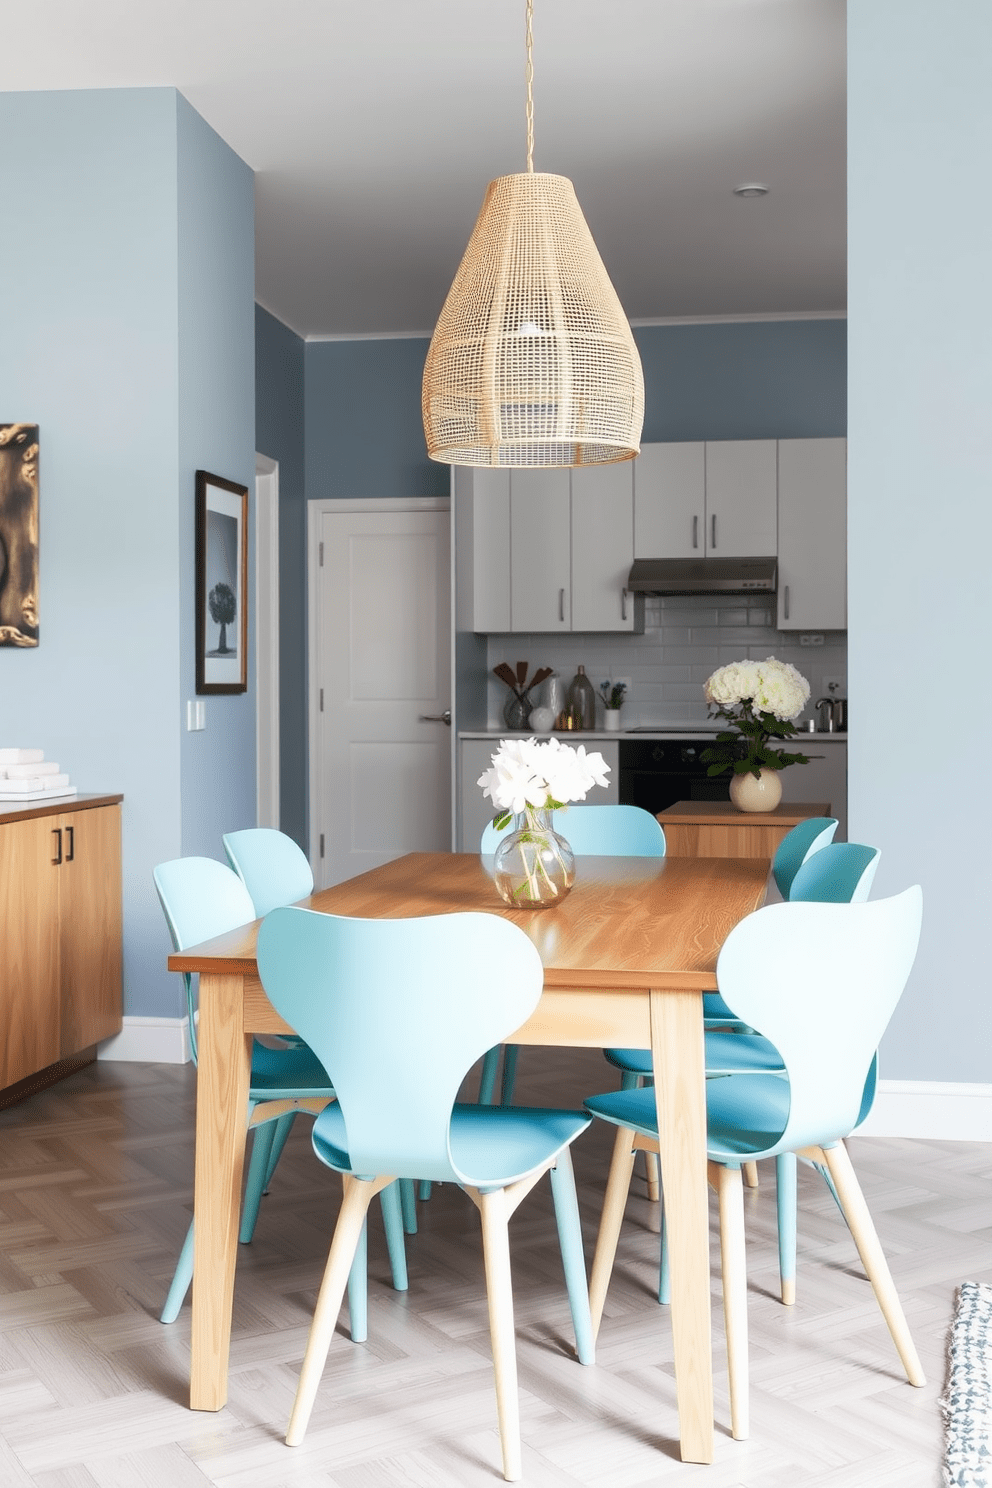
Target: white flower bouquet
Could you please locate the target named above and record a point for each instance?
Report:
(540, 775)
(533, 866)
(760, 701)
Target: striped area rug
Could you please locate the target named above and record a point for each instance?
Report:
(967, 1398)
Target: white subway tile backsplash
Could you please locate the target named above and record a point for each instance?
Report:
(685, 638)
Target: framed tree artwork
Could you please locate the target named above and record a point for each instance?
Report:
(221, 585)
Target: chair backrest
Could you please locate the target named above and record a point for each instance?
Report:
(612, 831)
(821, 981)
(201, 898)
(398, 1011)
(798, 846)
(270, 865)
(840, 873)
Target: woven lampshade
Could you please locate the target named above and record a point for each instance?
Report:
(532, 361)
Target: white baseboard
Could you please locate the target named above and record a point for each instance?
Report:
(149, 1041)
(940, 1111)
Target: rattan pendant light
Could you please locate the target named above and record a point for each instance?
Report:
(532, 361)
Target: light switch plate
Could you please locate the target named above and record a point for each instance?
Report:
(196, 715)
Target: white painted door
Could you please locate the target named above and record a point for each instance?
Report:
(382, 784)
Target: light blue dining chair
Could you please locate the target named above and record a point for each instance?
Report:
(276, 872)
(851, 962)
(839, 873)
(202, 898)
(399, 1011)
(606, 831)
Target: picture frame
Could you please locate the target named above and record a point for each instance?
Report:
(221, 585)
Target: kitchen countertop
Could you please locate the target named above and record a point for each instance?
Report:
(666, 731)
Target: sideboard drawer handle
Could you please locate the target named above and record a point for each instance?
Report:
(57, 832)
(72, 844)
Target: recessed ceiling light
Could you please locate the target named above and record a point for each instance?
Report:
(751, 188)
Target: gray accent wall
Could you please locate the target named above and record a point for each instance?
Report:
(920, 513)
(93, 351)
(279, 434)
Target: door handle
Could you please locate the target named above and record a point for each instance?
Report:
(71, 832)
(444, 717)
(713, 532)
(57, 832)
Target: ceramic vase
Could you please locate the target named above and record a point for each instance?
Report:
(756, 794)
(611, 720)
(533, 867)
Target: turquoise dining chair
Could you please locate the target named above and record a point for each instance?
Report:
(276, 872)
(840, 873)
(605, 831)
(853, 959)
(399, 1011)
(273, 869)
(202, 898)
(796, 848)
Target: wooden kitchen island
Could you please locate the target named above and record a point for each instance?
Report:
(716, 829)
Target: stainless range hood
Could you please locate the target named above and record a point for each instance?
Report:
(703, 576)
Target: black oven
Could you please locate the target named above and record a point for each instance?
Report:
(655, 773)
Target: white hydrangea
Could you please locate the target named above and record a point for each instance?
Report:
(530, 772)
(771, 686)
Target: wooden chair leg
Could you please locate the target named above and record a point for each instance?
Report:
(493, 1208)
(654, 1176)
(860, 1224)
(750, 1171)
(614, 1203)
(347, 1233)
(730, 1194)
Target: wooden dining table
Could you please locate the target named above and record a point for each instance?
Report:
(627, 955)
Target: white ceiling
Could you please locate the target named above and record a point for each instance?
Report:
(373, 129)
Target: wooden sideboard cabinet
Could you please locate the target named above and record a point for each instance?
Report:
(60, 931)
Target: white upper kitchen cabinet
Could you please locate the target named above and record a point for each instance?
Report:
(670, 501)
(712, 500)
(741, 498)
(812, 534)
(540, 550)
(482, 528)
(602, 546)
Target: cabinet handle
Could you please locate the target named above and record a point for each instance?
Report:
(623, 604)
(444, 717)
(57, 832)
(72, 844)
(785, 610)
(713, 533)
(695, 532)
(561, 605)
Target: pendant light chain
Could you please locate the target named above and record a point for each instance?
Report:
(530, 86)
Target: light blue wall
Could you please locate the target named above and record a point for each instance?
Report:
(216, 433)
(91, 350)
(920, 483)
(279, 434)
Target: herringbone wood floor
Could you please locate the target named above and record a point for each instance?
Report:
(95, 1193)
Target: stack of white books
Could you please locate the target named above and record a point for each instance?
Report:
(25, 775)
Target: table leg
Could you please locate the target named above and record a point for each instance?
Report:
(221, 1127)
(680, 1095)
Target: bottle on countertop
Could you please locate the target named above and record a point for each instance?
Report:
(581, 701)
